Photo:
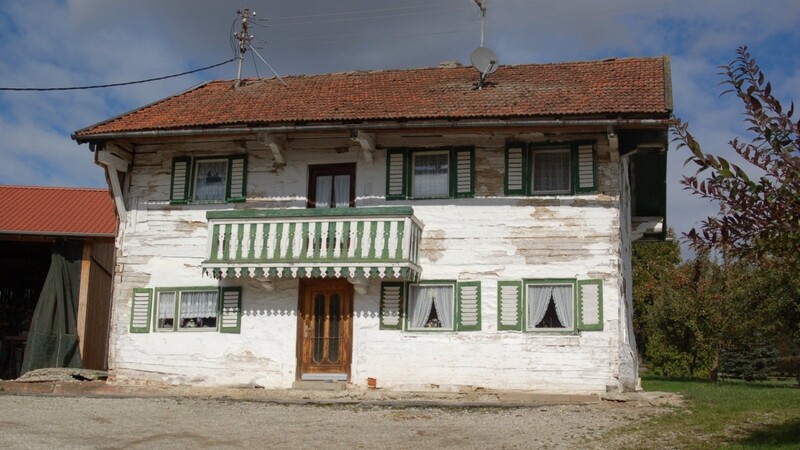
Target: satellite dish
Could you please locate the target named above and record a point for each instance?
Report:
(485, 62)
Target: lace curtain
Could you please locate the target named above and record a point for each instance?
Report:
(322, 197)
(210, 180)
(341, 191)
(551, 171)
(431, 177)
(338, 185)
(540, 296)
(423, 299)
(166, 310)
(197, 306)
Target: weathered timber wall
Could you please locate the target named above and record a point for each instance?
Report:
(487, 238)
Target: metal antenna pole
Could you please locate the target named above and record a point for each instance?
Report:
(244, 39)
(482, 5)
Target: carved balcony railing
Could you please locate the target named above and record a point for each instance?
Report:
(312, 243)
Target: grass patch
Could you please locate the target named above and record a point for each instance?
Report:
(729, 414)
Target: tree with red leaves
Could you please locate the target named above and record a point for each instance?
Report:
(759, 207)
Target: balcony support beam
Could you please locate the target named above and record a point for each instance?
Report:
(277, 144)
(367, 143)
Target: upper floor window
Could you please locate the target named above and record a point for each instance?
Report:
(430, 173)
(331, 186)
(208, 179)
(562, 169)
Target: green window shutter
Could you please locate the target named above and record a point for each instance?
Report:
(237, 179)
(516, 169)
(140, 310)
(231, 310)
(509, 305)
(469, 305)
(392, 295)
(590, 305)
(396, 174)
(181, 177)
(463, 172)
(586, 168)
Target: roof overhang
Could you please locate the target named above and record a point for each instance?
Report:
(442, 124)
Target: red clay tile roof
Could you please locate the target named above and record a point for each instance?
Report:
(636, 86)
(56, 211)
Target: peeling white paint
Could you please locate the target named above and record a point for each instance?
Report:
(486, 239)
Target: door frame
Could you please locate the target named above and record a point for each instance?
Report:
(306, 286)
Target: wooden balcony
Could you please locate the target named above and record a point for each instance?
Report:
(314, 243)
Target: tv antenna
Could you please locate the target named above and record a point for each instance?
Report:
(483, 59)
(244, 37)
(482, 5)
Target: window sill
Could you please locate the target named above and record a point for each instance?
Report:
(188, 330)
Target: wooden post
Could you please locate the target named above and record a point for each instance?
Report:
(83, 296)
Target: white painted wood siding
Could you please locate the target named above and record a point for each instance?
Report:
(487, 238)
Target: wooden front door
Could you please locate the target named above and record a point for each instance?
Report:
(325, 329)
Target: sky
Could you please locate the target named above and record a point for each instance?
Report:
(63, 43)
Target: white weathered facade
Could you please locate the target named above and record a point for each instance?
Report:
(267, 254)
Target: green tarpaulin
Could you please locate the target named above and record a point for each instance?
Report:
(53, 337)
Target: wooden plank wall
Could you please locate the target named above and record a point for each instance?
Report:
(95, 302)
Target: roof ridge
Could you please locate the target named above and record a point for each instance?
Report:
(436, 68)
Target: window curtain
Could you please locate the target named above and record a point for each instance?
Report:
(341, 191)
(211, 180)
(166, 308)
(562, 297)
(422, 300)
(538, 299)
(323, 194)
(198, 305)
(551, 171)
(431, 177)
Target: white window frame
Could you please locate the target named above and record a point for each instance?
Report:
(531, 328)
(539, 151)
(196, 176)
(414, 155)
(409, 304)
(176, 327)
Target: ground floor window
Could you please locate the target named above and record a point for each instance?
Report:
(550, 307)
(431, 306)
(179, 309)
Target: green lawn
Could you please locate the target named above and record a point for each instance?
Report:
(730, 414)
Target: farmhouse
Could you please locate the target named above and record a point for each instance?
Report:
(397, 226)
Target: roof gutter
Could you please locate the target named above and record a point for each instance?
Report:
(455, 124)
(55, 234)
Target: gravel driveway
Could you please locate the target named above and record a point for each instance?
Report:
(39, 422)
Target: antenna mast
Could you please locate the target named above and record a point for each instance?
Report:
(244, 37)
(482, 5)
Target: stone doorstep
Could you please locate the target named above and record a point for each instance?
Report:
(303, 392)
(316, 385)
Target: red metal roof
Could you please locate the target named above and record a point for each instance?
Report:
(629, 86)
(57, 211)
